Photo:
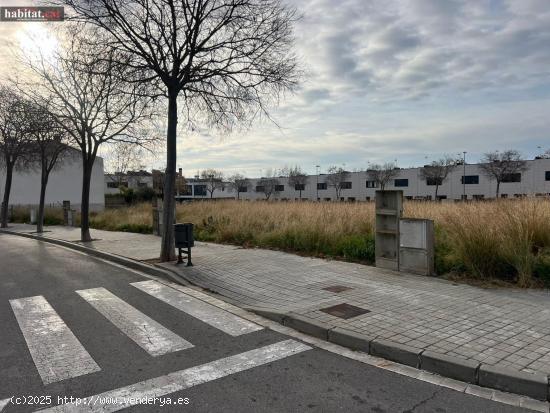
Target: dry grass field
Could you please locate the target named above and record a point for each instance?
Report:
(506, 239)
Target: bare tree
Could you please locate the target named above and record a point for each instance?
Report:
(239, 183)
(437, 172)
(226, 58)
(124, 157)
(93, 96)
(50, 146)
(502, 166)
(268, 185)
(213, 179)
(382, 174)
(297, 179)
(336, 178)
(14, 140)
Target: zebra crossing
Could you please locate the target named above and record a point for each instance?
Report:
(59, 355)
(144, 331)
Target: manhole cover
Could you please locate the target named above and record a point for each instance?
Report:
(337, 288)
(345, 310)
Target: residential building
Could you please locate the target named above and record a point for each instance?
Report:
(65, 184)
(130, 179)
(535, 181)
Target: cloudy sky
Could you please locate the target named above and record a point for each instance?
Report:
(398, 80)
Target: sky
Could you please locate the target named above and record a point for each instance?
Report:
(405, 81)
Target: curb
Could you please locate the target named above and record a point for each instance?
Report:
(117, 259)
(453, 367)
(401, 353)
(534, 385)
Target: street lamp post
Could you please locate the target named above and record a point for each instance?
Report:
(317, 170)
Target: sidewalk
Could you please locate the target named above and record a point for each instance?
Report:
(503, 328)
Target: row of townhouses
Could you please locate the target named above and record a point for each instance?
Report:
(465, 181)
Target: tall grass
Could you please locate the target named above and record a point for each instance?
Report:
(504, 239)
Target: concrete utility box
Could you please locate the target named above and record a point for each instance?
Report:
(389, 209)
(416, 246)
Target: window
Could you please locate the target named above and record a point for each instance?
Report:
(299, 187)
(260, 188)
(322, 185)
(478, 197)
(200, 190)
(328, 199)
(351, 199)
(117, 184)
(401, 182)
(547, 175)
(410, 198)
(243, 189)
(372, 184)
(187, 190)
(367, 198)
(470, 179)
(520, 195)
(346, 185)
(504, 195)
(441, 197)
(464, 197)
(279, 188)
(434, 181)
(516, 177)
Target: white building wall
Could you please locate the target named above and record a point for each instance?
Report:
(533, 182)
(65, 184)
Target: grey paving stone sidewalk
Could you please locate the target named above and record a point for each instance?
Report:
(507, 328)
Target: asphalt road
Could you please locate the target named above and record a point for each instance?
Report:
(120, 335)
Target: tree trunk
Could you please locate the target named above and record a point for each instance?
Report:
(87, 164)
(167, 248)
(498, 188)
(6, 200)
(43, 184)
(300, 194)
(436, 189)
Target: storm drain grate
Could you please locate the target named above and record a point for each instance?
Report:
(344, 311)
(337, 288)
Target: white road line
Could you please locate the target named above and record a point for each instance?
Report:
(57, 353)
(183, 379)
(4, 403)
(216, 317)
(144, 331)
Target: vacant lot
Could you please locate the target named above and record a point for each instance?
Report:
(507, 239)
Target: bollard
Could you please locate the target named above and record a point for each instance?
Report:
(66, 212)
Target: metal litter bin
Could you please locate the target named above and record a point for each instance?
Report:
(184, 240)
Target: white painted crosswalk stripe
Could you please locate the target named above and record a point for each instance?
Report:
(216, 317)
(56, 352)
(183, 379)
(3, 403)
(143, 330)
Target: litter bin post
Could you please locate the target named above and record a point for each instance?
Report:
(184, 239)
